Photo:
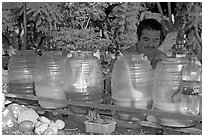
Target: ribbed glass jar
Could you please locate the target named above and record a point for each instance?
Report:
(166, 91)
(21, 71)
(131, 83)
(84, 79)
(50, 78)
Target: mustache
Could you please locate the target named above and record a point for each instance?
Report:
(150, 51)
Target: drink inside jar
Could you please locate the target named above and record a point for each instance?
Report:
(190, 100)
(84, 94)
(50, 92)
(21, 88)
(190, 104)
(167, 106)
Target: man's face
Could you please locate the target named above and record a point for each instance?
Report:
(149, 42)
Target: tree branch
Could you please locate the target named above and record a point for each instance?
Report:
(25, 27)
(169, 13)
(81, 25)
(161, 12)
(197, 35)
(87, 22)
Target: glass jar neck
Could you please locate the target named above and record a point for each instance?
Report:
(25, 53)
(134, 57)
(175, 60)
(82, 54)
(51, 53)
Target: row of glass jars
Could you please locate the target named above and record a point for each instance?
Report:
(174, 86)
(53, 75)
(133, 84)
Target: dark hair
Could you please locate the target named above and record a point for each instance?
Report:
(150, 24)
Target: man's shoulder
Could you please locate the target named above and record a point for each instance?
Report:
(131, 49)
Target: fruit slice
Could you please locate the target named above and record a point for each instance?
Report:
(8, 119)
(28, 114)
(60, 123)
(26, 125)
(16, 109)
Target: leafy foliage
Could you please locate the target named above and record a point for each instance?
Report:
(79, 31)
(124, 25)
(11, 28)
(46, 18)
(188, 27)
(42, 18)
(83, 39)
(154, 15)
(79, 14)
(193, 27)
(95, 24)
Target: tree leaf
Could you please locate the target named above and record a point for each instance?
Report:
(38, 11)
(29, 11)
(45, 12)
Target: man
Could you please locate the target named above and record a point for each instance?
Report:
(150, 36)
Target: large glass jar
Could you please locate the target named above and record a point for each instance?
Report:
(166, 91)
(49, 78)
(20, 72)
(84, 80)
(131, 83)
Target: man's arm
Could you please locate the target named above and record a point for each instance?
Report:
(129, 50)
(159, 57)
